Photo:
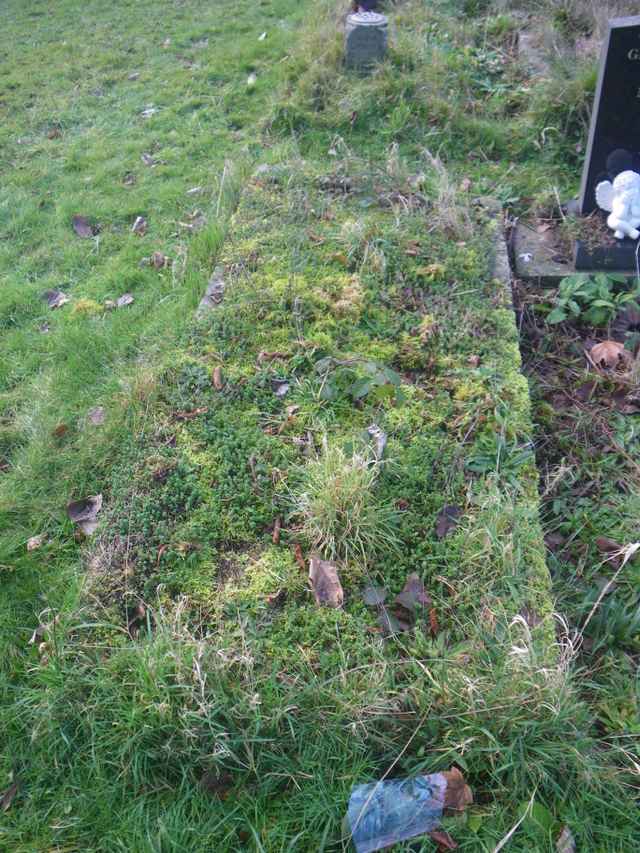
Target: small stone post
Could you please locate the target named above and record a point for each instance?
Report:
(365, 39)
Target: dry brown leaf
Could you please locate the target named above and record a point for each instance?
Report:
(96, 416)
(218, 384)
(84, 513)
(609, 354)
(566, 843)
(443, 840)
(60, 430)
(218, 784)
(8, 796)
(140, 226)
(413, 595)
(55, 298)
(327, 589)
(433, 622)
(458, 794)
(277, 599)
(275, 536)
(270, 356)
(189, 416)
(297, 552)
(612, 551)
(36, 542)
(82, 227)
(54, 133)
(158, 260)
(447, 520)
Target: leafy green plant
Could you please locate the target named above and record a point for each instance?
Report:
(591, 299)
(357, 379)
(336, 503)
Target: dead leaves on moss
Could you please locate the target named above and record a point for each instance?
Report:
(84, 513)
(407, 607)
(325, 583)
(609, 355)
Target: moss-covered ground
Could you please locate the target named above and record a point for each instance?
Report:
(182, 690)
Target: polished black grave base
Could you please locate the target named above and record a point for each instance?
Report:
(624, 256)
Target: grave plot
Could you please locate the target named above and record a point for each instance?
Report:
(319, 561)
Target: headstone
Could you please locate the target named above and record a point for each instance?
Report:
(614, 135)
(366, 35)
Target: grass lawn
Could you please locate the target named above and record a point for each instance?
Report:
(169, 683)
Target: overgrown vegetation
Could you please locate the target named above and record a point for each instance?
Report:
(170, 683)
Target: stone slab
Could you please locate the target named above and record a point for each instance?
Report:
(535, 260)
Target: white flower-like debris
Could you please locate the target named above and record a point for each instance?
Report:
(622, 200)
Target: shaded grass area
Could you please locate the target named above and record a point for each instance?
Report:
(187, 684)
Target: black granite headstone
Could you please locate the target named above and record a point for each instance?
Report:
(614, 135)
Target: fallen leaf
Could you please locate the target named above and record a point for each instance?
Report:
(189, 416)
(380, 439)
(8, 796)
(612, 551)
(327, 589)
(218, 384)
(374, 596)
(84, 513)
(277, 599)
(270, 356)
(214, 293)
(390, 623)
(60, 430)
(55, 298)
(413, 595)
(54, 133)
(412, 248)
(280, 387)
(433, 622)
(458, 794)
(447, 520)
(275, 536)
(566, 843)
(96, 416)
(135, 623)
(585, 391)
(554, 541)
(124, 300)
(297, 552)
(609, 354)
(443, 840)
(82, 226)
(36, 542)
(139, 227)
(216, 783)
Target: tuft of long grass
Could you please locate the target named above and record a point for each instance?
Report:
(336, 504)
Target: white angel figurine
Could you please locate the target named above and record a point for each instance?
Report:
(622, 199)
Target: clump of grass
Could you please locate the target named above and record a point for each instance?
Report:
(451, 216)
(336, 503)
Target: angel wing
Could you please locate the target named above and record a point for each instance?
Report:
(604, 195)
